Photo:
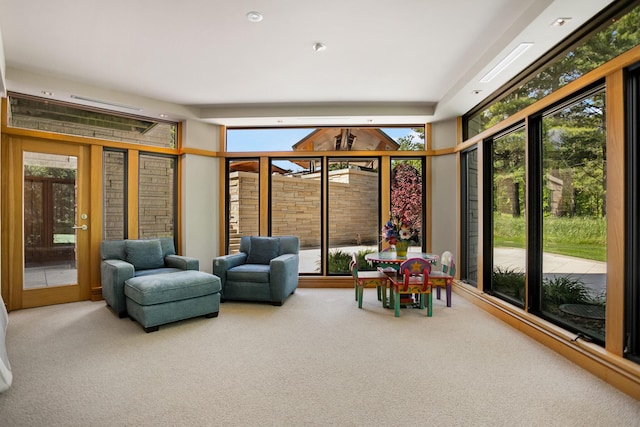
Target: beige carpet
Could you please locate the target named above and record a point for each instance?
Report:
(315, 361)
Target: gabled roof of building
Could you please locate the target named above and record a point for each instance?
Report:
(347, 139)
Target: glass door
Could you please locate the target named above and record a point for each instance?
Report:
(49, 183)
(53, 264)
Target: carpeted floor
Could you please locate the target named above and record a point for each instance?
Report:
(315, 361)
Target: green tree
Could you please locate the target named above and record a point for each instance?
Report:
(411, 143)
(509, 173)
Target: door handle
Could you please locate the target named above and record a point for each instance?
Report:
(80, 227)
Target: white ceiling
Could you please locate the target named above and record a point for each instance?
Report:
(386, 62)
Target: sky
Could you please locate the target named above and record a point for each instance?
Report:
(282, 139)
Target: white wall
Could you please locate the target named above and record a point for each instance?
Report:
(3, 68)
(200, 194)
(445, 177)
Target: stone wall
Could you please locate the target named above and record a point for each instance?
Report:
(295, 208)
(156, 191)
(244, 208)
(113, 190)
(353, 207)
(296, 203)
(156, 196)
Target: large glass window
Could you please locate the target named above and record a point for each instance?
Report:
(574, 223)
(326, 139)
(331, 202)
(632, 226)
(47, 115)
(243, 201)
(296, 207)
(114, 192)
(509, 216)
(407, 196)
(470, 225)
(157, 196)
(353, 194)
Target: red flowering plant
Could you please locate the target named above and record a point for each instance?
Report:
(399, 228)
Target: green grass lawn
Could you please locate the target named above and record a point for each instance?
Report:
(578, 237)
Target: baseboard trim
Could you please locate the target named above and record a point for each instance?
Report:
(613, 369)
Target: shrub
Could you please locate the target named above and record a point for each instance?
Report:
(339, 261)
(565, 290)
(510, 282)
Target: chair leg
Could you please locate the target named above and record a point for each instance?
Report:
(360, 294)
(396, 296)
(429, 304)
(438, 292)
(355, 288)
(448, 294)
(383, 291)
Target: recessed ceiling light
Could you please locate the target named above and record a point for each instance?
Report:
(476, 91)
(48, 93)
(254, 16)
(319, 47)
(560, 22)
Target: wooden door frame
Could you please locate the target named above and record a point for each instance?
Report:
(12, 240)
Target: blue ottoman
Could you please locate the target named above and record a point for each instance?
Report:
(164, 298)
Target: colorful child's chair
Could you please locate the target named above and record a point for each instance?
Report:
(444, 278)
(368, 279)
(415, 280)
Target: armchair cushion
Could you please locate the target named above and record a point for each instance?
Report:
(257, 273)
(263, 250)
(144, 254)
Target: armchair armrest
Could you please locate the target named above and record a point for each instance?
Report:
(113, 273)
(182, 262)
(223, 263)
(284, 276)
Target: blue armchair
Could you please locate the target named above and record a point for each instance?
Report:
(265, 269)
(123, 259)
